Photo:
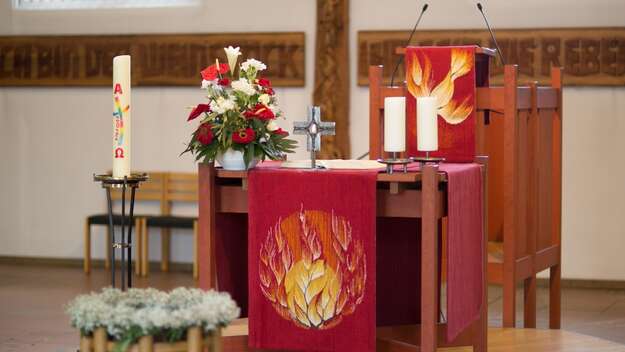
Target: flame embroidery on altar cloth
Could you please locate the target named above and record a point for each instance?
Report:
(420, 83)
(312, 269)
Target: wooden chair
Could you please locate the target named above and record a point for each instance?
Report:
(520, 130)
(178, 187)
(152, 190)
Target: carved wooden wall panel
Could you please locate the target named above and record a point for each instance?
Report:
(590, 56)
(331, 90)
(157, 60)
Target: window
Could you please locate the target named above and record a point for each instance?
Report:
(98, 4)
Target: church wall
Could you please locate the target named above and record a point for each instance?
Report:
(53, 139)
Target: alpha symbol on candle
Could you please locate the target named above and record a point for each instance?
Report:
(119, 153)
(118, 89)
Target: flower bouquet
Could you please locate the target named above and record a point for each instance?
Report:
(239, 118)
(115, 320)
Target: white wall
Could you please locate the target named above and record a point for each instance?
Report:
(39, 216)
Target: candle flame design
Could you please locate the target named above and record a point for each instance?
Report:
(312, 269)
(420, 83)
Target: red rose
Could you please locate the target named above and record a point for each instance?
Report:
(261, 112)
(198, 110)
(269, 91)
(264, 82)
(281, 132)
(244, 136)
(211, 72)
(204, 133)
(223, 82)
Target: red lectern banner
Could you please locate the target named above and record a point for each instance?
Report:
(447, 73)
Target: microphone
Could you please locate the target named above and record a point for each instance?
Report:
(401, 58)
(492, 35)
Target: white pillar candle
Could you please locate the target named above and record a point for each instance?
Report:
(395, 124)
(121, 116)
(427, 124)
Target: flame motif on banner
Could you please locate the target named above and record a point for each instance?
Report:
(420, 83)
(312, 269)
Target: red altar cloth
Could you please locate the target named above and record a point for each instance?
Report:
(311, 256)
(397, 282)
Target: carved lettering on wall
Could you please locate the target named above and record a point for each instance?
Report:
(590, 56)
(156, 59)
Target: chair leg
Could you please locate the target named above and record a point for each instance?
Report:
(86, 264)
(555, 276)
(165, 249)
(138, 246)
(107, 258)
(195, 251)
(529, 304)
(509, 302)
(145, 246)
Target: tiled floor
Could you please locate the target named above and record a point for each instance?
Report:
(32, 300)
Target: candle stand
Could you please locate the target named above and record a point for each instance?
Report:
(125, 241)
(427, 159)
(390, 163)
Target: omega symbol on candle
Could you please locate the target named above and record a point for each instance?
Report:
(119, 153)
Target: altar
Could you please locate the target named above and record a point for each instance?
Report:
(421, 194)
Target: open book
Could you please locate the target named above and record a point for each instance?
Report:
(334, 164)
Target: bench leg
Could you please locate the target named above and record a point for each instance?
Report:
(165, 249)
(529, 304)
(145, 245)
(138, 246)
(554, 297)
(86, 264)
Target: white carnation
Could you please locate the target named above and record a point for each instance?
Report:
(264, 99)
(244, 86)
(221, 105)
(272, 126)
(259, 66)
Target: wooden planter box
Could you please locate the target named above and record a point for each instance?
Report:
(195, 342)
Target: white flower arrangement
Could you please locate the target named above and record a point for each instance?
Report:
(141, 312)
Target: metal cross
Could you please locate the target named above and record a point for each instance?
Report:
(314, 128)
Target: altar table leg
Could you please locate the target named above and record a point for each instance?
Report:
(529, 304)
(554, 297)
(429, 261)
(509, 301)
(206, 225)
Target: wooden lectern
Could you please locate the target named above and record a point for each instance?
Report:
(519, 128)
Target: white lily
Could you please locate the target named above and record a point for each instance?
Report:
(233, 55)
